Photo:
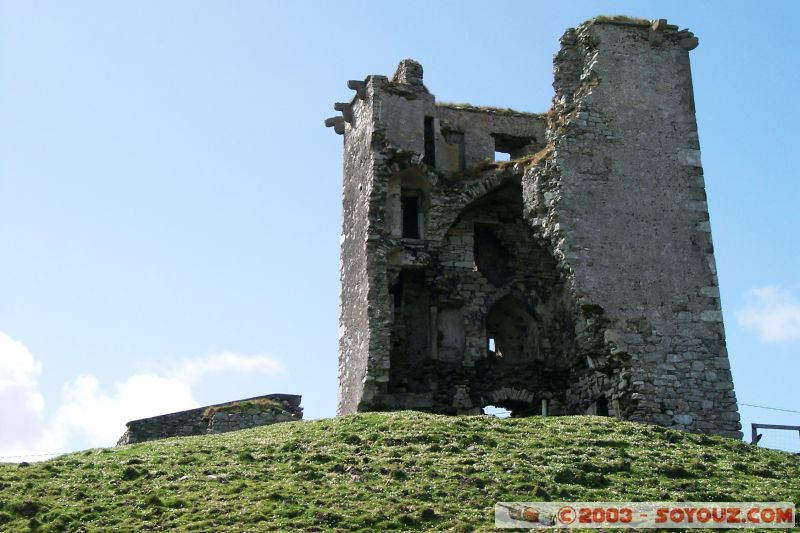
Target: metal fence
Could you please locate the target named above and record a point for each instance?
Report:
(777, 436)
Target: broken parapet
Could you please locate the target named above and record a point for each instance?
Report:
(218, 418)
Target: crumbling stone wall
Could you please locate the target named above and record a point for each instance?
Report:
(576, 278)
(622, 195)
(218, 418)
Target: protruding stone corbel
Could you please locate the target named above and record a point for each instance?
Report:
(337, 123)
(689, 41)
(346, 109)
(359, 87)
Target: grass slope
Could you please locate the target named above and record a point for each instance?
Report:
(380, 471)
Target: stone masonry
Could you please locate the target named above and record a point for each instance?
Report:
(576, 277)
(218, 418)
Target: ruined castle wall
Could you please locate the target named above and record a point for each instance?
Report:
(217, 418)
(622, 196)
(354, 331)
(597, 281)
(486, 130)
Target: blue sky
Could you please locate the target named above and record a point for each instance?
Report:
(170, 201)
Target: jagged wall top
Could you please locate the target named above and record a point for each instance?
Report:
(409, 72)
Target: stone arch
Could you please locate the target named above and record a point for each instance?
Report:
(447, 209)
(503, 394)
(519, 402)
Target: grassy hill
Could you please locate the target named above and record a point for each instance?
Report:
(379, 471)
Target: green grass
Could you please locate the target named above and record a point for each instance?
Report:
(382, 471)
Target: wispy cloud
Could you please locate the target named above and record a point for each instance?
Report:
(92, 413)
(773, 313)
(193, 370)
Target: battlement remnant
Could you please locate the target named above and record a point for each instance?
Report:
(577, 276)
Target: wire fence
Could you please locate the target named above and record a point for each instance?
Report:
(776, 436)
(770, 408)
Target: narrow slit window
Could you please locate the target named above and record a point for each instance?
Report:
(411, 215)
(429, 157)
(396, 290)
(492, 345)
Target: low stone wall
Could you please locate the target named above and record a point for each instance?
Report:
(218, 418)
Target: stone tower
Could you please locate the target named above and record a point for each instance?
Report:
(576, 277)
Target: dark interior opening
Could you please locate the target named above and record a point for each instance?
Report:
(429, 157)
(602, 406)
(410, 335)
(493, 259)
(396, 290)
(410, 207)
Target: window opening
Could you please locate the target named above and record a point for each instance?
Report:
(411, 215)
(512, 147)
(429, 157)
(396, 290)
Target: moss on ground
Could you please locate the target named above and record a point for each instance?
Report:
(380, 471)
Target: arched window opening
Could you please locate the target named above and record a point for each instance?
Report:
(511, 332)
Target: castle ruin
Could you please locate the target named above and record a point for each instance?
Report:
(576, 277)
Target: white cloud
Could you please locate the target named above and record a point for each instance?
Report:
(22, 406)
(90, 414)
(100, 417)
(773, 313)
